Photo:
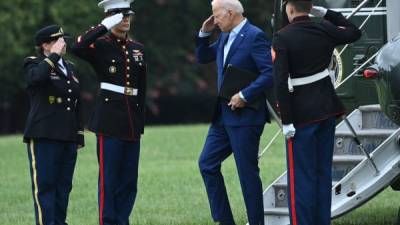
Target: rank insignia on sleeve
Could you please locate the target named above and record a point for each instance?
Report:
(52, 99)
(112, 69)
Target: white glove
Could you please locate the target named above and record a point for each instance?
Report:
(288, 130)
(112, 21)
(318, 11)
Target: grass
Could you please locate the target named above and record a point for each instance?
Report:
(171, 191)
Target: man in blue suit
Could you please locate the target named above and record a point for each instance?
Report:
(235, 128)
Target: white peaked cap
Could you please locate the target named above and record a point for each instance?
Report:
(115, 4)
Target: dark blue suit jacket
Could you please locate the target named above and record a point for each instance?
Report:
(250, 51)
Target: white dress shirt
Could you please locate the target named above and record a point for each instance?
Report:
(232, 36)
(62, 67)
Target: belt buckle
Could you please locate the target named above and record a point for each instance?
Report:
(128, 91)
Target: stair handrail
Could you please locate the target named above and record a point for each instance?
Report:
(362, 24)
(357, 9)
(278, 122)
(347, 122)
(360, 145)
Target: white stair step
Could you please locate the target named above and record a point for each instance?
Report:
(367, 133)
(276, 211)
(370, 139)
(373, 117)
(348, 158)
(370, 108)
(284, 185)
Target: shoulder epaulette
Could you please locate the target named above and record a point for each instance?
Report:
(30, 59)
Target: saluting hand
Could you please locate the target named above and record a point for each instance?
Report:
(208, 25)
(318, 11)
(59, 47)
(236, 102)
(112, 21)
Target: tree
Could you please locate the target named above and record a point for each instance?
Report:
(166, 27)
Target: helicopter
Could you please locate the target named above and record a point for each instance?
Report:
(385, 73)
(367, 141)
(379, 25)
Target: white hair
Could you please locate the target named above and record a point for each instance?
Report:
(234, 5)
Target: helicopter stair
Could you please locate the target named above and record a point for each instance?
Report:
(354, 180)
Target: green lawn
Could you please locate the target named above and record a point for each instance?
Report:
(170, 191)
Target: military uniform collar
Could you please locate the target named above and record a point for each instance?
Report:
(301, 19)
(118, 39)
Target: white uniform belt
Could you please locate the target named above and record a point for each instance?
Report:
(119, 89)
(292, 82)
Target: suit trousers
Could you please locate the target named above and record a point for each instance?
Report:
(243, 142)
(52, 165)
(118, 174)
(309, 166)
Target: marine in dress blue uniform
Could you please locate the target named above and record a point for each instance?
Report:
(54, 129)
(118, 118)
(235, 128)
(309, 105)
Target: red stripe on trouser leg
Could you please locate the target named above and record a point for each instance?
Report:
(291, 174)
(101, 180)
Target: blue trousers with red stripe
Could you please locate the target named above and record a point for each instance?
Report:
(309, 164)
(118, 174)
(243, 142)
(52, 165)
